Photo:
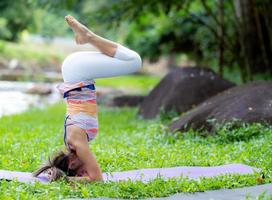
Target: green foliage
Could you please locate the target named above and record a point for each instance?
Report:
(164, 33)
(126, 142)
(4, 31)
(2, 46)
(48, 24)
(154, 28)
(42, 17)
(17, 16)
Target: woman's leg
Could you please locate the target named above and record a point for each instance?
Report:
(83, 35)
(112, 60)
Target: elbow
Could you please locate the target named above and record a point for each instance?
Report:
(95, 175)
(95, 178)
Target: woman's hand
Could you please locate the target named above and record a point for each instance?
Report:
(50, 174)
(54, 174)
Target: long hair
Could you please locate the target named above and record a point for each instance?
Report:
(58, 167)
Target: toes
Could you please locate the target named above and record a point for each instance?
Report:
(71, 24)
(69, 19)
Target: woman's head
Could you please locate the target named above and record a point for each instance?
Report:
(62, 165)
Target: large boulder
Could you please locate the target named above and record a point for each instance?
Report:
(181, 89)
(105, 95)
(41, 89)
(247, 103)
(128, 100)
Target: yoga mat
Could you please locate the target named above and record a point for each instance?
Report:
(146, 175)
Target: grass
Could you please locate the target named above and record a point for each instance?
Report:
(31, 54)
(127, 142)
(137, 84)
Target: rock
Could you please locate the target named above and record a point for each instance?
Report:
(39, 89)
(181, 89)
(3, 64)
(128, 100)
(15, 64)
(12, 75)
(249, 103)
(105, 95)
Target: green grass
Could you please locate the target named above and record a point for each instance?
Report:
(32, 54)
(137, 84)
(127, 142)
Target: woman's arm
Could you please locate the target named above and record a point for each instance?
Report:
(86, 156)
(78, 140)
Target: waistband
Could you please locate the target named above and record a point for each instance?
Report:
(90, 86)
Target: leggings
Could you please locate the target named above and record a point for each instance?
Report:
(89, 65)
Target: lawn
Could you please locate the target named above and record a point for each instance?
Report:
(127, 142)
(44, 55)
(135, 84)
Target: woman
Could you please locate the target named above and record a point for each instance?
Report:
(81, 124)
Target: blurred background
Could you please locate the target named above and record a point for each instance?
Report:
(232, 37)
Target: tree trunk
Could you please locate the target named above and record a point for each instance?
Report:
(221, 31)
(254, 36)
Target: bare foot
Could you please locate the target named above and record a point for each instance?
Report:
(82, 33)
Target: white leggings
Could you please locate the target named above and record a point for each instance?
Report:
(88, 65)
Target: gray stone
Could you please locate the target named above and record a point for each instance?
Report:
(182, 89)
(248, 103)
(41, 89)
(128, 100)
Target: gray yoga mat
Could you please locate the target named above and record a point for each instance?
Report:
(146, 175)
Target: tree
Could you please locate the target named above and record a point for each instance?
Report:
(239, 32)
(231, 32)
(254, 19)
(17, 16)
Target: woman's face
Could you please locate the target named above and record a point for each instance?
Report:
(76, 165)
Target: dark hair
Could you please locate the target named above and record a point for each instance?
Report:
(58, 167)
